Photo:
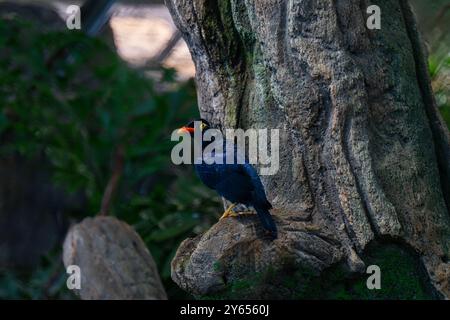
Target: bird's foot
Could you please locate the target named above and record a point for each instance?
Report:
(242, 213)
(225, 215)
(228, 212)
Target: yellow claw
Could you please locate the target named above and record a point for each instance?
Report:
(228, 212)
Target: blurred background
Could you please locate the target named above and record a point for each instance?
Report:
(73, 101)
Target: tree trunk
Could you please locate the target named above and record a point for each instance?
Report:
(364, 154)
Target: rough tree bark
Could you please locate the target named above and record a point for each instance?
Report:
(364, 154)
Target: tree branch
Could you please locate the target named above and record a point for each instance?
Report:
(113, 181)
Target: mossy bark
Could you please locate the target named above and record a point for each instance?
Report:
(402, 278)
(364, 154)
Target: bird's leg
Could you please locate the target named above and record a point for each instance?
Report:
(227, 212)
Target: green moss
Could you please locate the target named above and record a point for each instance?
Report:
(401, 278)
(217, 266)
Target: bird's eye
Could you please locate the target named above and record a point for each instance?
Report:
(202, 125)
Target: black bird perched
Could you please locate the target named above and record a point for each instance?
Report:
(236, 182)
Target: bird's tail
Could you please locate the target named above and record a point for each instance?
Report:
(266, 220)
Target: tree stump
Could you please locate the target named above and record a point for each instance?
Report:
(364, 154)
(113, 260)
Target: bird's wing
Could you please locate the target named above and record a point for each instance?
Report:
(259, 193)
(234, 185)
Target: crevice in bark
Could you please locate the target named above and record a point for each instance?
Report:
(351, 116)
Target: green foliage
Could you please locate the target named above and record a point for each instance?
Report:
(47, 281)
(439, 68)
(71, 98)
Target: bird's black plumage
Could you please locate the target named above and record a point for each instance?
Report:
(236, 182)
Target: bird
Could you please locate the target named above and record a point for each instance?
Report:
(237, 182)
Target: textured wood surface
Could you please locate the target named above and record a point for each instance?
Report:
(113, 260)
(363, 153)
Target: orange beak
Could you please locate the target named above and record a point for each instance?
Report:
(185, 129)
